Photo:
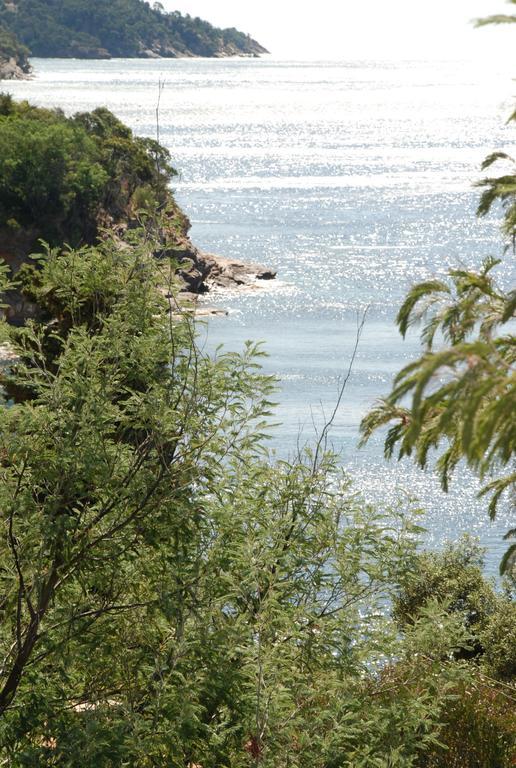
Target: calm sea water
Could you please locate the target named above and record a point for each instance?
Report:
(353, 179)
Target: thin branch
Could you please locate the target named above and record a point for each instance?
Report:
(323, 438)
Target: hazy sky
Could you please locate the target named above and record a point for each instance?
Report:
(360, 28)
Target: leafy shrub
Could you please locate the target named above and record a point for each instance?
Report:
(455, 580)
(195, 601)
(479, 729)
(453, 577)
(498, 639)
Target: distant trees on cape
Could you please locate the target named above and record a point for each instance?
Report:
(124, 28)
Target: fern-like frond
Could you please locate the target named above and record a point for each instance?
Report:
(508, 561)
(497, 488)
(497, 19)
(407, 315)
(502, 188)
(384, 413)
(494, 157)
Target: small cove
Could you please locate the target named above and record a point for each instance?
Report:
(352, 179)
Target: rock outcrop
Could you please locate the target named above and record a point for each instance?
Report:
(198, 272)
(14, 68)
(201, 272)
(14, 62)
(232, 273)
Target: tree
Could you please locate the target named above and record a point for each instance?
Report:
(108, 429)
(169, 594)
(60, 177)
(463, 395)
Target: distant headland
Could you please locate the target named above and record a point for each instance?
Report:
(102, 29)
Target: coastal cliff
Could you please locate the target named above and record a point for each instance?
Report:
(14, 63)
(90, 177)
(117, 28)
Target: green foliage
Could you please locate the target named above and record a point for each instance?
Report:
(478, 720)
(86, 28)
(501, 189)
(170, 594)
(479, 731)
(60, 176)
(454, 579)
(476, 726)
(497, 638)
(10, 47)
(463, 394)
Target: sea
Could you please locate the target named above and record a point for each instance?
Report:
(353, 179)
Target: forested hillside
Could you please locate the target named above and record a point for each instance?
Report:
(60, 177)
(126, 28)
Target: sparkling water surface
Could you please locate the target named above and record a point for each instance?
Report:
(353, 179)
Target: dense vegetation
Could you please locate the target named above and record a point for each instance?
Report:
(103, 28)
(9, 46)
(12, 49)
(171, 595)
(61, 178)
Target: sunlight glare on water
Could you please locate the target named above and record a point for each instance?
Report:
(353, 180)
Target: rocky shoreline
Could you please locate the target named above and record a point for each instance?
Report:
(255, 50)
(207, 273)
(13, 68)
(220, 274)
(199, 274)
